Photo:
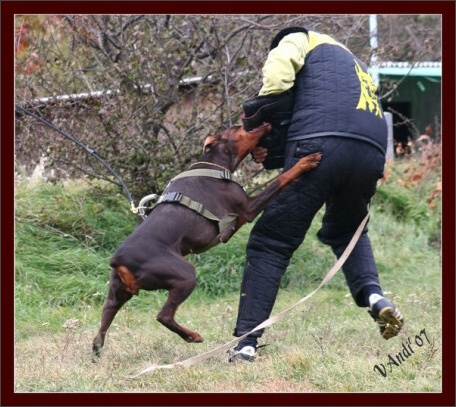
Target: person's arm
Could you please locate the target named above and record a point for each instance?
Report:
(282, 64)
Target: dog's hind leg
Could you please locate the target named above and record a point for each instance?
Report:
(118, 295)
(181, 286)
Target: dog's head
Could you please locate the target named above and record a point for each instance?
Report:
(231, 146)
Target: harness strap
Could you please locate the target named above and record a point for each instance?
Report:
(177, 197)
(206, 172)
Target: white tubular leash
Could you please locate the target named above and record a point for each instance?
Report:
(196, 359)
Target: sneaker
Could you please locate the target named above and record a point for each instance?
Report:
(247, 353)
(387, 316)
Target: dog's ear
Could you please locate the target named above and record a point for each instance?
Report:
(210, 140)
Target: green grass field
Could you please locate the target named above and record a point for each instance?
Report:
(66, 233)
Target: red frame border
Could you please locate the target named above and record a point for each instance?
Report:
(9, 8)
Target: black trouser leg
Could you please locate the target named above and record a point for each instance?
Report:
(345, 181)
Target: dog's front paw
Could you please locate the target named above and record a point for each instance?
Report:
(194, 337)
(310, 161)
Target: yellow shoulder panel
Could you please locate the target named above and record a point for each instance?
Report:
(316, 39)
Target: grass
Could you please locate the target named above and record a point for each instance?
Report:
(66, 233)
(326, 345)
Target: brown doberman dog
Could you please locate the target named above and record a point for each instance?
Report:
(209, 207)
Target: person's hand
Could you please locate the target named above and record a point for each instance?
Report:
(259, 154)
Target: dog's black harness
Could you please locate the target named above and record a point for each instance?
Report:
(178, 197)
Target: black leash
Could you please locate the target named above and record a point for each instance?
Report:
(86, 149)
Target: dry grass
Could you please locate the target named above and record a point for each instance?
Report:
(327, 345)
